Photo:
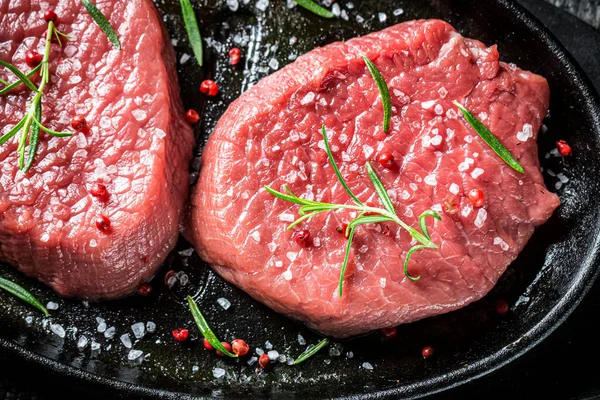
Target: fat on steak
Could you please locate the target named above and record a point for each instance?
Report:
(271, 136)
(138, 145)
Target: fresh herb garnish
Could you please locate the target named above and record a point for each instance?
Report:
(23, 294)
(489, 138)
(205, 329)
(11, 86)
(315, 8)
(384, 91)
(191, 26)
(102, 22)
(368, 215)
(311, 351)
(31, 123)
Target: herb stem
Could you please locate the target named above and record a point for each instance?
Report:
(311, 351)
(18, 291)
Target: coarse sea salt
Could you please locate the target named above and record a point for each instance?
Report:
(139, 330)
(82, 342)
(476, 173)
(426, 105)
(126, 340)
(499, 241)
(466, 210)
(218, 373)
(367, 366)
(224, 303)
(454, 189)
(134, 355)
(287, 275)
(481, 217)
(430, 180)
(58, 330)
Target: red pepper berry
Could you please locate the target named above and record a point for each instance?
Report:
(427, 351)
(390, 333)
(302, 237)
(168, 275)
(144, 289)
(227, 347)
(78, 123)
(99, 190)
(369, 204)
(502, 307)
(209, 88)
(181, 334)
(563, 148)
(33, 58)
(207, 345)
(50, 16)
(450, 205)
(103, 223)
(240, 347)
(235, 56)
(192, 116)
(386, 160)
(264, 361)
(342, 229)
(477, 198)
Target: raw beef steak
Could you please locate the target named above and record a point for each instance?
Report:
(270, 136)
(138, 145)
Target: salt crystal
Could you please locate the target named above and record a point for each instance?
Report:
(466, 210)
(287, 275)
(499, 241)
(279, 264)
(138, 329)
(273, 354)
(268, 345)
(481, 217)
(126, 340)
(58, 330)
(558, 185)
(224, 303)
(360, 19)
(454, 189)
(562, 177)
(290, 361)
(293, 39)
(443, 92)
(449, 134)
(436, 140)
(262, 4)
(273, 63)
(252, 360)
(272, 246)
(317, 242)
(291, 4)
(52, 305)
(349, 6)
(101, 327)
(468, 138)
(185, 57)
(382, 17)
(99, 320)
(82, 342)
(259, 351)
(150, 327)
(282, 358)
(430, 180)
(483, 116)
(413, 186)
(428, 104)
(286, 217)
(256, 236)
(291, 256)
(195, 369)
(336, 349)
(335, 10)
(218, 373)
(308, 98)
(95, 346)
(110, 332)
(368, 151)
(476, 172)
(134, 355)
(233, 5)
(139, 115)
(367, 366)
(398, 11)
(439, 110)
(301, 340)
(45, 237)
(29, 319)
(350, 354)
(463, 166)
(551, 173)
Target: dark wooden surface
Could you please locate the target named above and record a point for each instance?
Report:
(587, 10)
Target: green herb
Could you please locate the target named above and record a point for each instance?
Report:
(102, 22)
(205, 329)
(310, 208)
(23, 294)
(191, 26)
(384, 91)
(311, 351)
(315, 8)
(489, 138)
(31, 123)
(13, 85)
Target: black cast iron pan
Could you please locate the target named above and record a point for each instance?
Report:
(543, 286)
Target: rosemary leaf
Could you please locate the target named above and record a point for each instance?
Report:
(315, 8)
(17, 83)
(384, 92)
(368, 219)
(289, 198)
(412, 250)
(22, 77)
(205, 329)
(34, 140)
(345, 263)
(489, 138)
(191, 26)
(2, 81)
(102, 22)
(22, 294)
(50, 131)
(8, 135)
(423, 223)
(311, 351)
(381, 192)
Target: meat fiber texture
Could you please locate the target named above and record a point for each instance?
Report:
(271, 136)
(138, 145)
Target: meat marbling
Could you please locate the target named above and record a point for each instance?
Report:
(139, 146)
(270, 136)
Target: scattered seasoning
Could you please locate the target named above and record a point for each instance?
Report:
(180, 334)
(343, 229)
(427, 352)
(310, 208)
(227, 347)
(502, 307)
(102, 22)
(33, 58)
(79, 123)
(209, 88)
(192, 116)
(144, 289)
(103, 223)
(302, 237)
(384, 92)
(390, 333)
(235, 55)
(311, 351)
(450, 205)
(315, 8)
(477, 198)
(207, 345)
(386, 160)
(50, 16)
(264, 361)
(205, 329)
(563, 148)
(20, 292)
(191, 26)
(489, 138)
(99, 191)
(240, 347)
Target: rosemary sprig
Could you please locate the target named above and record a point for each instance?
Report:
(22, 294)
(191, 26)
(102, 22)
(489, 138)
(11, 86)
(367, 214)
(384, 91)
(315, 8)
(205, 329)
(311, 351)
(31, 123)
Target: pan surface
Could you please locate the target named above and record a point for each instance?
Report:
(543, 286)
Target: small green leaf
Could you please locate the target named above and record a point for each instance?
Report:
(2, 81)
(412, 250)
(311, 351)
(22, 294)
(17, 83)
(102, 22)
(335, 168)
(191, 26)
(384, 92)
(8, 135)
(380, 189)
(289, 198)
(34, 140)
(368, 219)
(490, 139)
(20, 75)
(205, 329)
(423, 223)
(315, 8)
(345, 263)
(51, 132)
